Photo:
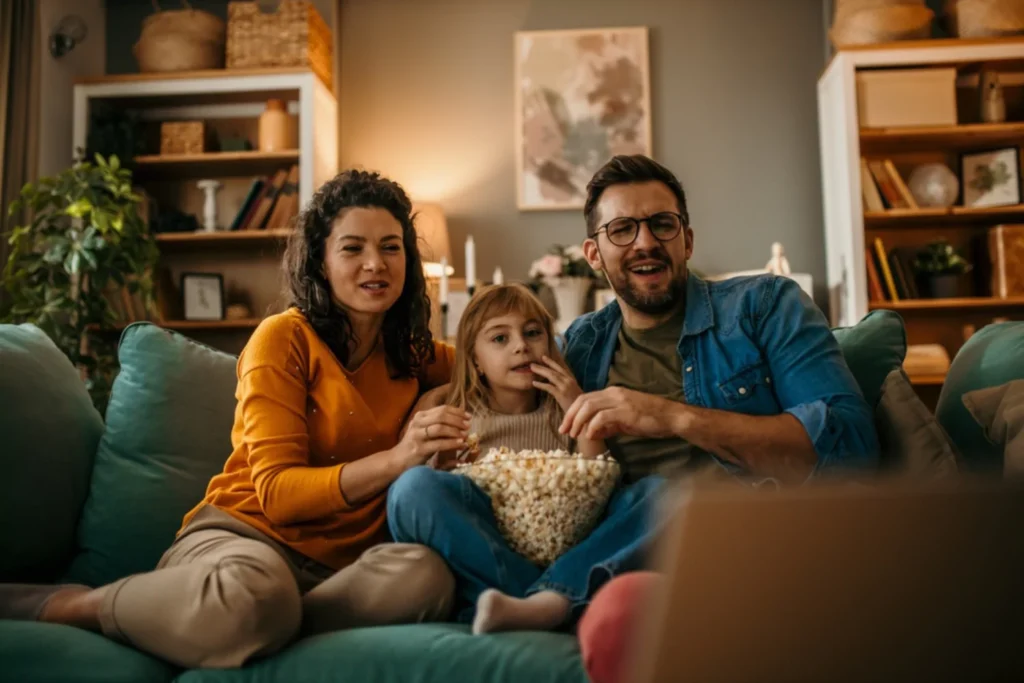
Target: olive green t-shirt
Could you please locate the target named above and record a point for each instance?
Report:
(648, 361)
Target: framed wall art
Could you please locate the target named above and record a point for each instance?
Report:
(581, 97)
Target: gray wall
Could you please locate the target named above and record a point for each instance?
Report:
(427, 97)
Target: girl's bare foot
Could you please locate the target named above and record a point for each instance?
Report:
(542, 611)
(74, 606)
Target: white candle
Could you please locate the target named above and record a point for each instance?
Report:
(444, 280)
(470, 263)
(498, 278)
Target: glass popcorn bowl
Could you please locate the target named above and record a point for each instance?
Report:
(545, 501)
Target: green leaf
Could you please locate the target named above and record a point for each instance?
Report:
(72, 262)
(79, 208)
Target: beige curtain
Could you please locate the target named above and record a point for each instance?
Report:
(19, 105)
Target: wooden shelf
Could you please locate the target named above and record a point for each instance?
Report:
(934, 43)
(190, 75)
(927, 380)
(956, 214)
(222, 164)
(239, 238)
(947, 304)
(944, 137)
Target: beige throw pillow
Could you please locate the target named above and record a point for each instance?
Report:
(913, 442)
(1000, 413)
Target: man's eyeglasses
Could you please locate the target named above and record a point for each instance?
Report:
(622, 232)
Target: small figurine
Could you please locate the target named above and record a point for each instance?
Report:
(779, 264)
(993, 104)
(210, 187)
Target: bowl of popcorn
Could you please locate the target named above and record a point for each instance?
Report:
(545, 501)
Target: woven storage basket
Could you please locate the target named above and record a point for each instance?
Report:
(180, 40)
(985, 18)
(292, 35)
(882, 25)
(182, 137)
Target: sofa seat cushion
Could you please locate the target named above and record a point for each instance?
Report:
(424, 653)
(49, 430)
(993, 356)
(31, 652)
(168, 432)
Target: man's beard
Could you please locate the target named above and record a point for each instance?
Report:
(649, 303)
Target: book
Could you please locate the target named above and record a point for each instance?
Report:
(287, 204)
(905, 256)
(1006, 260)
(868, 188)
(250, 197)
(875, 291)
(883, 263)
(898, 276)
(892, 196)
(266, 202)
(901, 187)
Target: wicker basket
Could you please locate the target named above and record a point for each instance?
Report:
(985, 18)
(882, 25)
(182, 137)
(180, 40)
(293, 35)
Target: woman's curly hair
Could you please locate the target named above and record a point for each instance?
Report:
(408, 342)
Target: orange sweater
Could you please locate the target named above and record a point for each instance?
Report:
(301, 417)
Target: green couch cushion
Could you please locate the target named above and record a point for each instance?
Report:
(31, 652)
(49, 430)
(425, 653)
(873, 348)
(993, 356)
(168, 432)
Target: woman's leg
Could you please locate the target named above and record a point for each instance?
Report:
(618, 544)
(216, 600)
(392, 583)
(450, 514)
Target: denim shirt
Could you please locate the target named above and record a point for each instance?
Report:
(755, 345)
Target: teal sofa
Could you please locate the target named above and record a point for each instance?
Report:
(87, 500)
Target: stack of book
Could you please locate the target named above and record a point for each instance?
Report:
(883, 188)
(891, 272)
(271, 203)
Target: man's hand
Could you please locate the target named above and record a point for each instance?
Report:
(614, 411)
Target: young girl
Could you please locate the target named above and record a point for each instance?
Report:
(510, 377)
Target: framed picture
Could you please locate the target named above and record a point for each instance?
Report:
(991, 178)
(203, 295)
(581, 97)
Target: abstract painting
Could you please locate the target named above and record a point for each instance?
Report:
(582, 97)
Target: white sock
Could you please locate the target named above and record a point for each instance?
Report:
(542, 611)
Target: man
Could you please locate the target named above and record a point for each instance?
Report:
(683, 374)
(741, 377)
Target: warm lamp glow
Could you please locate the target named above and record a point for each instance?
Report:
(432, 229)
(433, 270)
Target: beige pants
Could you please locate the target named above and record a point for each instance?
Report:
(225, 593)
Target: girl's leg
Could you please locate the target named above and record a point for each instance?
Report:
(450, 514)
(216, 600)
(618, 544)
(391, 583)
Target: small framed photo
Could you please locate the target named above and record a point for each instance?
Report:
(991, 178)
(203, 295)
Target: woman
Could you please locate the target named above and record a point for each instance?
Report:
(293, 532)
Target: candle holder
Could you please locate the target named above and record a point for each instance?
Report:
(444, 321)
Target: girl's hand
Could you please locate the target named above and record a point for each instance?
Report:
(560, 382)
(444, 428)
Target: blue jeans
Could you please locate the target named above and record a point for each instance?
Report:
(452, 515)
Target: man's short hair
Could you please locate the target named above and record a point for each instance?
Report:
(622, 169)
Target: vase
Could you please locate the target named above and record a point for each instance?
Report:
(277, 130)
(942, 286)
(570, 299)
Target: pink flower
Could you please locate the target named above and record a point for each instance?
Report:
(547, 266)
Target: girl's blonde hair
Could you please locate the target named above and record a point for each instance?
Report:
(469, 390)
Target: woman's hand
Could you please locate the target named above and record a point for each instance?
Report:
(444, 428)
(559, 382)
(429, 399)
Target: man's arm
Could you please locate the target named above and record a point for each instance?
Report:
(825, 424)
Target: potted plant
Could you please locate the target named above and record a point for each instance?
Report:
(84, 237)
(938, 268)
(566, 272)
